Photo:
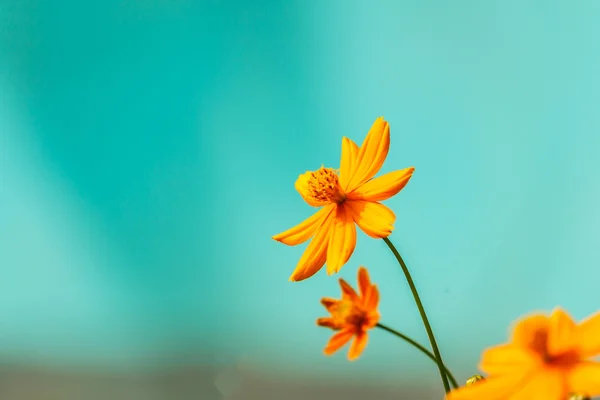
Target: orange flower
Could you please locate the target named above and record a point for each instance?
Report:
(548, 358)
(352, 316)
(345, 199)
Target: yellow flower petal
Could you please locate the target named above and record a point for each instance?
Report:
(372, 153)
(585, 378)
(383, 187)
(338, 341)
(492, 388)
(358, 345)
(561, 333)
(525, 333)
(315, 254)
(588, 334)
(342, 240)
(301, 186)
(545, 385)
(303, 231)
(507, 358)
(375, 219)
(348, 161)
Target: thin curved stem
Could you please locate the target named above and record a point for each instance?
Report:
(422, 349)
(413, 289)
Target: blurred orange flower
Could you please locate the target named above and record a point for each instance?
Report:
(352, 316)
(547, 358)
(350, 197)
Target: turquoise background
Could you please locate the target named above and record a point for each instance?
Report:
(148, 152)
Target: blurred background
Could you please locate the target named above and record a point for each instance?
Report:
(148, 152)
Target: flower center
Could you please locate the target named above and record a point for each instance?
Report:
(324, 185)
(539, 344)
(347, 313)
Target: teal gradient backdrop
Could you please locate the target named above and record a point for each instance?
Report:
(148, 152)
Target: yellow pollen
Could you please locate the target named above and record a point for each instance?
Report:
(324, 185)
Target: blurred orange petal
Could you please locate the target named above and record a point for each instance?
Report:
(588, 335)
(364, 282)
(546, 385)
(348, 291)
(371, 298)
(525, 331)
(327, 322)
(329, 302)
(585, 378)
(561, 332)
(338, 341)
(508, 358)
(358, 345)
(492, 388)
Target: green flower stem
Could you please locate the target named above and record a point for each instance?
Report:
(422, 349)
(413, 289)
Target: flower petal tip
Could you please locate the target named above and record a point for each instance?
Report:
(557, 310)
(297, 277)
(386, 234)
(328, 354)
(279, 238)
(333, 271)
